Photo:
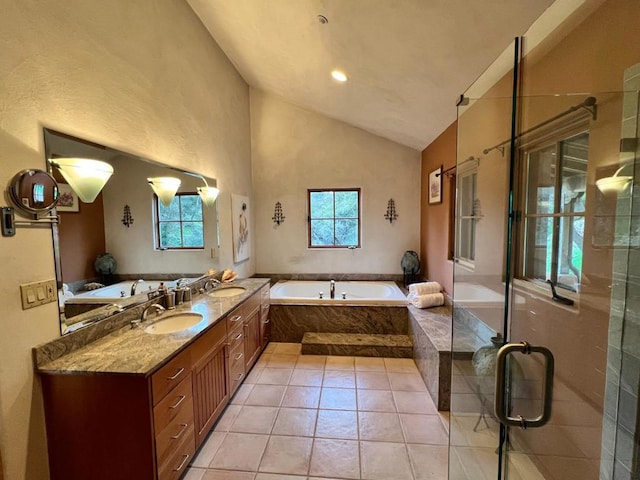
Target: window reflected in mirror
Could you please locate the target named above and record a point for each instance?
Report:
(99, 257)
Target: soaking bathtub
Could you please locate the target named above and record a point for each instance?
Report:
(368, 308)
(476, 295)
(306, 292)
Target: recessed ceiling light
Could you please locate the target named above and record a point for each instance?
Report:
(339, 76)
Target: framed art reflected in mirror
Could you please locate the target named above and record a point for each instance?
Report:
(67, 199)
(435, 186)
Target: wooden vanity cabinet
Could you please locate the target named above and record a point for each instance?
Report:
(108, 426)
(120, 426)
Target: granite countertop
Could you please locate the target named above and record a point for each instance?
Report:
(133, 351)
(436, 324)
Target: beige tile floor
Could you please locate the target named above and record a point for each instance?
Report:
(308, 417)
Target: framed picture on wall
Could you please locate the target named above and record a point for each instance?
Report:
(68, 201)
(435, 186)
(240, 225)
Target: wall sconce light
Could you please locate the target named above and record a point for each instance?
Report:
(615, 184)
(278, 216)
(86, 177)
(208, 194)
(165, 188)
(391, 214)
(127, 218)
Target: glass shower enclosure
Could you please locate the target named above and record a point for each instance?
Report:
(546, 329)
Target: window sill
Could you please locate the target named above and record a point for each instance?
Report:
(542, 291)
(468, 266)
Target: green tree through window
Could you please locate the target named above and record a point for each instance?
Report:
(554, 210)
(334, 218)
(179, 226)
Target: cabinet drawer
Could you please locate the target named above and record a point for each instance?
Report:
(236, 376)
(236, 317)
(170, 406)
(236, 337)
(236, 355)
(208, 341)
(177, 463)
(252, 304)
(168, 440)
(242, 312)
(170, 375)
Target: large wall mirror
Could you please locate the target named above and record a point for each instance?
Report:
(104, 248)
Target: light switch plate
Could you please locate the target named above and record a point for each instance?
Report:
(38, 293)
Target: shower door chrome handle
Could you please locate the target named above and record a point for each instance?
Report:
(501, 385)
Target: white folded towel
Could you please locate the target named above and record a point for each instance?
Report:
(428, 300)
(63, 294)
(424, 288)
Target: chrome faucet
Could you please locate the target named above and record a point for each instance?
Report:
(212, 282)
(332, 288)
(154, 306)
(134, 285)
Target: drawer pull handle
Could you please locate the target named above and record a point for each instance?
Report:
(239, 377)
(236, 318)
(238, 337)
(238, 356)
(266, 322)
(182, 397)
(184, 460)
(184, 428)
(178, 373)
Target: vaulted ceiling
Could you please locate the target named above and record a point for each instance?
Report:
(406, 60)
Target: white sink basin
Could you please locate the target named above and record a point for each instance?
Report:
(228, 291)
(174, 323)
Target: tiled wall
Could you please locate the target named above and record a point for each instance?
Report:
(620, 455)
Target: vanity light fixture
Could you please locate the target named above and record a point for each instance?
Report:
(615, 184)
(165, 188)
(87, 177)
(339, 76)
(208, 194)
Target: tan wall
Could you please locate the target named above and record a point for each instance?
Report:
(143, 77)
(293, 150)
(435, 219)
(81, 237)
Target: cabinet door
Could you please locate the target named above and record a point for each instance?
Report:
(265, 325)
(252, 341)
(210, 389)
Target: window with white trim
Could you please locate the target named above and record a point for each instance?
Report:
(467, 215)
(554, 180)
(180, 225)
(334, 218)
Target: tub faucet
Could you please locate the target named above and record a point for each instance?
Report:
(332, 288)
(134, 285)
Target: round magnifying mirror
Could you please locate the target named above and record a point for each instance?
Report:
(34, 192)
